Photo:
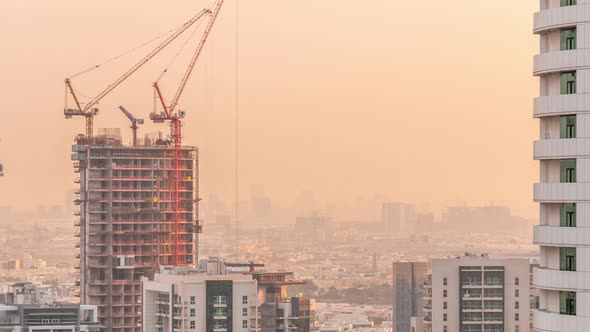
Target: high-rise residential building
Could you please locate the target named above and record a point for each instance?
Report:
(128, 222)
(478, 294)
(398, 217)
(563, 191)
(408, 293)
(200, 302)
(215, 298)
(55, 318)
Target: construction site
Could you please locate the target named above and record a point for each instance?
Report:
(138, 202)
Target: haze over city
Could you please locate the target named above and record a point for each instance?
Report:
(353, 101)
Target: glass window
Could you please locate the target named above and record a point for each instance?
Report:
(567, 215)
(516, 293)
(445, 281)
(567, 259)
(192, 312)
(568, 39)
(244, 300)
(516, 317)
(564, 3)
(192, 324)
(244, 311)
(444, 293)
(567, 303)
(445, 328)
(192, 300)
(517, 281)
(516, 328)
(567, 126)
(444, 317)
(245, 324)
(567, 170)
(445, 305)
(568, 83)
(516, 305)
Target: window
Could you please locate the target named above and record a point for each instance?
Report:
(444, 293)
(567, 259)
(244, 300)
(567, 303)
(245, 324)
(445, 328)
(516, 305)
(445, 281)
(568, 39)
(516, 317)
(192, 300)
(244, 311)
(192, 312)
(567, 215)
(444, 317)
(516, 293)
(567, 126)
(567, 170)
(192, 324)
(517, 281)
(564, 3)
(516, 328)
(445, 305)
(568, 83)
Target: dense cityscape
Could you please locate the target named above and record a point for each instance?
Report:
(153, 230)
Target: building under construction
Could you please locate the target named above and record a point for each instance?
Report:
(128, 221)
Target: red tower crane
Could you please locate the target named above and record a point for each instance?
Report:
(88, 111)
(169, 113)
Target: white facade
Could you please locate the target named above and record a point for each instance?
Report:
(476, 293)
(185, 303)
(563, 149)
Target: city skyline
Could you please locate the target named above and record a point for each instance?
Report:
(329, 90)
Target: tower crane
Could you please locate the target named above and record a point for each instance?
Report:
(134, 122)
(88, 110)
(169, 113)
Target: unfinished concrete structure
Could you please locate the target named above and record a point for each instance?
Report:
(128, 223)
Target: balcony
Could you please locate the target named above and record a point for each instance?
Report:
(559, 17)
(560, 105)
(560, 192)
(559, 61)
(561, 280)
(561, 148)
(553, 322)
(561, 236)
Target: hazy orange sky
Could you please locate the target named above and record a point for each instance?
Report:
(412, 100)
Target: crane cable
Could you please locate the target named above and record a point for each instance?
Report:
(85, 71)
(179, 51)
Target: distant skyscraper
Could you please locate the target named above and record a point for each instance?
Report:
(408, 293)
(398, 217)
(261, 206)
(476, 293)
(563, 191)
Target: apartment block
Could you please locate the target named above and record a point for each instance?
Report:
(129, 222)
(475, 293)
(563, 151)
(200, 302)
(55, 318)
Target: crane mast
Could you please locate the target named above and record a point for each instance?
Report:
(134, 123)
(169, 113)
(88, 111)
